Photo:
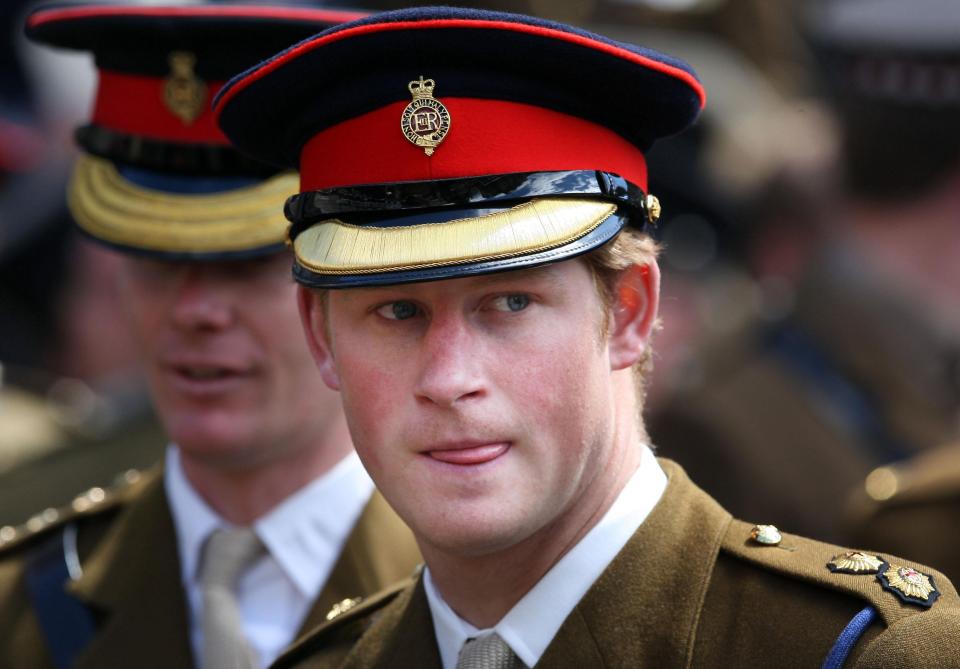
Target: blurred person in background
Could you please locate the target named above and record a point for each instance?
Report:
(860, 369)
(901, 505)
(73, 405)
(261, 519)
(912, 218)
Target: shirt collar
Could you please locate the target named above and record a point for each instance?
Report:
(193, 518)
(529, 627)
(304, 533)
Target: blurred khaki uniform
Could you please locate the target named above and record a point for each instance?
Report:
(913, 506)
(690, 589)
(789, 417)
(130, 580)
(45, 458)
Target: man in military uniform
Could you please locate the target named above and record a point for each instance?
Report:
(479, 285)
(262, 517)
(864, 370)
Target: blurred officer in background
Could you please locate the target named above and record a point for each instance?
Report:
(480, 286)
(862, 370)
(262, 518)
(909, 504)
(73, 405)
(906, 60)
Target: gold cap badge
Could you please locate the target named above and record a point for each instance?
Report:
(910, 585)
(183, 92)
(425, 121)
(855, 562)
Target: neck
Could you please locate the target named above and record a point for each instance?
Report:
(482, 589)
(241, 495)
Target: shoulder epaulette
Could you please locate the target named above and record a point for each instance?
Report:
(896, 588)
(93, 502)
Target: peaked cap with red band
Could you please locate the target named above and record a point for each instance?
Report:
(158, 176)
(440, 142)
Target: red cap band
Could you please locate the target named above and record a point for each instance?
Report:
(486, 137)
(135, 105)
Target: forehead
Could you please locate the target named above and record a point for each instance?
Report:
(237, 269)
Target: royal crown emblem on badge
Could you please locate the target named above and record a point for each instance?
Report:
(183, 92)
(425, 121)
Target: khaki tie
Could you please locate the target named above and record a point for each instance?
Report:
(489, 652)
(225, 555)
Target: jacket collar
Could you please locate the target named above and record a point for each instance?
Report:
(380, 551)
(642, 611)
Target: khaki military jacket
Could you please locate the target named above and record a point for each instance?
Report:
(786, 418)
(913, 507)
(131, 578)
(45, 460)
(692, 588)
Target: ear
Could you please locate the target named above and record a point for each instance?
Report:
(313, 316)
(633, 314)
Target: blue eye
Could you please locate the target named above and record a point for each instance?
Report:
(515, 302)
(398, 311)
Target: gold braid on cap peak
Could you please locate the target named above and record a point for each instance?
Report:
(335, 247)
(113, 209)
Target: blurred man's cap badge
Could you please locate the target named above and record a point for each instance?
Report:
(425, 121)
(183, 92)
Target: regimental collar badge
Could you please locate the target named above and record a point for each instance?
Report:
(425, 121)
(910, 585)
(855, 562)
(184, 93)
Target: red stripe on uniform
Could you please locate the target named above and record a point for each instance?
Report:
(485, 137)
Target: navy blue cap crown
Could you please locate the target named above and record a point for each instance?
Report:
(355, 67)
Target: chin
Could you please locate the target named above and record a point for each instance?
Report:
(217, 438)
(470, 534)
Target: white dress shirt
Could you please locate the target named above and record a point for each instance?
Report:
(303, 535)
(529, 627)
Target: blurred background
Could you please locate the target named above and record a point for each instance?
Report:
(810, 342)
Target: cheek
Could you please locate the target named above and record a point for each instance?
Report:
(554, 377)
(143, 318)
(371, 392)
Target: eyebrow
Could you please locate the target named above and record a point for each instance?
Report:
(548, 271)
(541, 272)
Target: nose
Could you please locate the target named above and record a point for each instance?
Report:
(199, 303)
(450, 366)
